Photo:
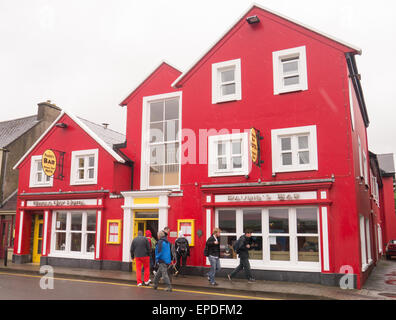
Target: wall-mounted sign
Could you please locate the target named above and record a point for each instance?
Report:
(255, 138)
(48, 161)
(113, 232)
(187, 226)
(285, 196)
(62, 203)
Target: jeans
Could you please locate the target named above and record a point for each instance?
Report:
(162, 272)
(245, 265)
(214, 267)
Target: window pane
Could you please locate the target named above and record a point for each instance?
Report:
(157, 154)
(91, 162)
(221, 148)
(81, 162)
(290, 67)
(236, 147)
(237, 162)
(228, 89)
(303, 157)
(221, 163)
(308, 249)
(256, 253)
(39, 166)
(227, 221)
(252, 220)
(307, 220)
(156, 132)
(228, 75)
(278, 220)
(171, 175)
(291, 80)
(172, 153)
(81, 174)
(60, 241)
(226, 247)
(76, 221)
(172, 109)
(287, 159)
(90, 242)
(91, 173)
(75, 241)
(156, 111)
(279, 248)
(91, 221)
(303, 142)
(61, 221)
(172, 130)
(156, 175)
(39, 177)
(286, 144)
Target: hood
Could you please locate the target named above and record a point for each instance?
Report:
(148, 233)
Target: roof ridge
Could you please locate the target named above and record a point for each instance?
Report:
(22, 118)
(100, 125)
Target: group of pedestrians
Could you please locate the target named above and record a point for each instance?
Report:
(156, 257)
(159, 257)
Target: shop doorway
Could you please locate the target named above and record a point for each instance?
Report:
(5, 236)
(37, 238)
(142, 221)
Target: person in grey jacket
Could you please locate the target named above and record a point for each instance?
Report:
(140, 251)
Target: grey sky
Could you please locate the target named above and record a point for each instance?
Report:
(86, 56)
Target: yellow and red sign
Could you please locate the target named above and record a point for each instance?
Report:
(254, 146)
(48, 162)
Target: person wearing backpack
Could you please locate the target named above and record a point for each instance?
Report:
(242, 247)
(182, 250)
(153, 243)
(212, 251)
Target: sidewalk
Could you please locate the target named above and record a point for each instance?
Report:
(279, 289)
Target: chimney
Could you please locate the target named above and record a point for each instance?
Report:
(48, 111)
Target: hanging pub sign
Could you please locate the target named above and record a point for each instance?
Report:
(52, 163)
(255, 138)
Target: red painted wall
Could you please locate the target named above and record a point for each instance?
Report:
(388, 203)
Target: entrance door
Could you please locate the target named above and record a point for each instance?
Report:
(37, 238)
(5, 236)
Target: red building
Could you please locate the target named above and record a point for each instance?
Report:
(307, 196)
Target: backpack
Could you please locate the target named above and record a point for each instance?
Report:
(182, 248)
(237, 246)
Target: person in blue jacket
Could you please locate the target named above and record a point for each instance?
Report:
(163, 257)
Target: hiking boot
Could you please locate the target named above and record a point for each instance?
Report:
(214, 283)
(155, 287)
(251, 280)
(229, 277)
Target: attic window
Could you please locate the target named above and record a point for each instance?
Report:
(226, 81)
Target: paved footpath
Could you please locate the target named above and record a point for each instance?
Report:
(283, 290)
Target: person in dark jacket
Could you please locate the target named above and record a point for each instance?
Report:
(152, 242)
(213, 254)
(245, 244)
(140, 251)
(182, 251)
(163, 258)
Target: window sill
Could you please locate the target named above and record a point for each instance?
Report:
(41, 186)
(227, 174)
(61, 254)
(289, 90)
(77, 183)
(228, 99)
(295, 169)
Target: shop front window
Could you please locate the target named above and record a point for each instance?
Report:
(228, 236)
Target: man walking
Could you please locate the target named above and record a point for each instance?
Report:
(212, 251)
(163, 258)
(152, 243)
(182, 249)
(242, 247)
(140, 251)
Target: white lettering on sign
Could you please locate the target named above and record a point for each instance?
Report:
(285, 196)
(61, 203)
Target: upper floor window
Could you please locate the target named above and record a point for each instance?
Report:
(290, 70)
(84, 167)
(294, 149)
(37, 176)
(161, 140)
(226, 81)
(228, 155)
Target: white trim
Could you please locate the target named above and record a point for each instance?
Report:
(213, 171)
(45, 232)
(235, 65)
(276, 134)
(278, 75)
(74, 167)
(145, 151)
(174, 84)
(351, 106)
(98, 229)
(325, 239)
(368, 241)
(82, 126)
(360, 158)
(20, 231)
(363, 243)
(34, 171)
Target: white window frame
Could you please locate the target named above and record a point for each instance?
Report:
(277, 134)
(33, 183)
(266, 263)
(360, 158)
(213, 171)
(368, 241)
(217, 68)
(365, 168)
(74, 180)
(380, 244)
(363, 246)
(67, 253)
(278, 75)
(145, 150)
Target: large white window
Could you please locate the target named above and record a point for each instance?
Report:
(282, 238)
(368, 240)
(161, 140)
(290, 70)
(73, 234)
(226, 81)
(84, 167)
(228, 155)
(294, 149)
(37, 176)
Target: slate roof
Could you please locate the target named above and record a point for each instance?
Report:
(9, 204)
(386, 163)
(13, 129)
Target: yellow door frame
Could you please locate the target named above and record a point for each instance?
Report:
(36, 237)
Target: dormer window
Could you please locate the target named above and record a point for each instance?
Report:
(84, 167)
(226, 81)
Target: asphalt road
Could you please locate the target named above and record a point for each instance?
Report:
(14, 286)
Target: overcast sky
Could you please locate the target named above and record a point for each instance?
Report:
(86, 56)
